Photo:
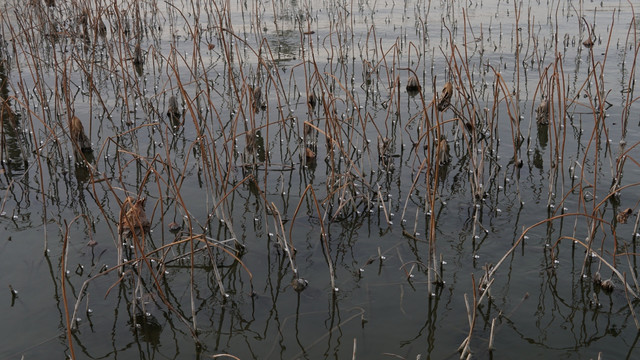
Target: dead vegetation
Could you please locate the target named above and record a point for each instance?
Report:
(307, 147)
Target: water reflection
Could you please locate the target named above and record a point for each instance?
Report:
(146, 328)
(14, 160)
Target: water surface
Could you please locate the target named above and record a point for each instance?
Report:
(376, 207)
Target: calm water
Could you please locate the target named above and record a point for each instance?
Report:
(234, 173)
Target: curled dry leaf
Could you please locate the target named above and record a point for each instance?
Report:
(310, 154)
(384, 147)
(78, 135)
(138, 59)
(542, 111)
(443, 151)
(173, 110)
(102, 28)
(445, 96)
(251, 146)
(312, 100)
(133, 218)
(256, 99)
(623, 215)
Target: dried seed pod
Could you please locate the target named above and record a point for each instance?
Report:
(174, 227)
(445, 96)
(413, 85)
(623, 215)
(607, 285)
(299, 284)
(597, 279)
(469, 126)
(78, 135)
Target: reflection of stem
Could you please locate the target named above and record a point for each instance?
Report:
(471, 314)
(626, 295)
(278, 223)
(500, 315)
(318, 340)
(323, 235)
(63, 276)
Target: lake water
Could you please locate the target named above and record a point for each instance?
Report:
(366, 223)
